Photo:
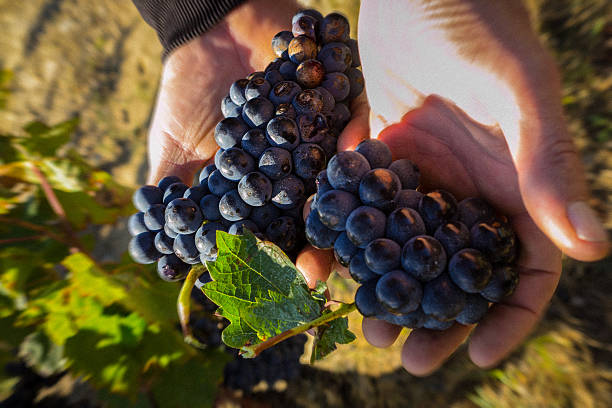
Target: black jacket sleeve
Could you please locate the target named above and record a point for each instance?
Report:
(178, 21)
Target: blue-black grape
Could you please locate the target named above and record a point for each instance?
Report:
(318, 234)
(136, 224)
(235, 163)
(334, 208)
(344, 249)
(334, 27)
(475, 308)
(403, 224)
(229, 132)
(336, 57)
(284, 92)
(365, 299)
(256, 112)
(229, 108)
(255, 189)
(502, 283)
(310, 73)
(183, 216)
(308, 160)
(275, 163)
(302, 48)
(232, 207)
(453, 236)
(378, 188)
(196, 193)
(166, 181)
(163, 243)
(376, 152)
(309, 101)
(284, 233)
(398, 292)
(337, 84)
(356, 82)
(219, 185)
(288, 192)
(470, 270)
(442, 299)
(423, 257)
(382, 255)
(257, 87)
(142, 248)
(205, 239)
(209, 205)
(495, 239)
(239, 228)
(474, 210)
(346, 169)
(282, 132)
(185, 248)
(281, 41)
(171, 269)
(364, 225)
(264, 215)
(154, 217)
(407, 172)
(254, 142)
(175, 190)
(146, 196)
(237, 91)
(408, 199)
(437, 207)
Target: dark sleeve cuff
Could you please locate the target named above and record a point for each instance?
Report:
(179, 21)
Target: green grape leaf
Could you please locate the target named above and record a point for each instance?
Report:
(262, 294)
(45, 140)
(336, 332)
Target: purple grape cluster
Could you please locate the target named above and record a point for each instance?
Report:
(280, 128)
(422, 259)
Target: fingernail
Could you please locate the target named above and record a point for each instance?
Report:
(585, 222)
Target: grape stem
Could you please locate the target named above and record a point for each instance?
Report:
(183, 306)
(256, 349)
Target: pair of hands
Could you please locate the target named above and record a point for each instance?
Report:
(464, 89)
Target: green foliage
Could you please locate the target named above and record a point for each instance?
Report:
(262, 294)
(112, 324)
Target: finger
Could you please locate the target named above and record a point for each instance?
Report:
(426, 350)
(551, 176)
(314, 264)
(507, 323)
(379, 333)
(358, 128)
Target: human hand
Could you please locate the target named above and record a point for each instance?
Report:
(197, 76)
(465, 90)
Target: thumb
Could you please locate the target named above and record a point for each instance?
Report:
(551, 176)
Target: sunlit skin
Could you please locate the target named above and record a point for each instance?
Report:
(462, 88)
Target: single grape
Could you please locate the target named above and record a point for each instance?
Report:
(232, 207)
(166, 181)
(257, 87)
(171, 269)
(408, 199)
(229, 132)
(142, 248)
(235, 163)
(308, 160)
(398, 292)
(334, 208)
(365, 299)
(365, 224)
(186, 250)
(403, 224)
(264, 215)
(475, 308)
(154, 217)
(239, 228)
(288, 192)
(436, 208)
(378, 188)
(282, 132)
(344, 249)
(196, 193)
(318, 234)
(376, 152)
(382, 255)
(503, 282)
(337, 84)
(229, 108)
(146, 196)
(442, 299)
(407, 172)
(219, 185)
(275, 163)
(334, 27)
(470, 270)
(163, 243)
(254, 142)
(136, 224)
(423, 257)
(453, 236)
(209, 205)
(183, 216)
(255, 189)
(284, 233)
(256, 112)
(495, 239)
(237, 91)
(175, 190)
(346, 169)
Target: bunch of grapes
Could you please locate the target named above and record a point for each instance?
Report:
(423, 260)
(281, 127)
